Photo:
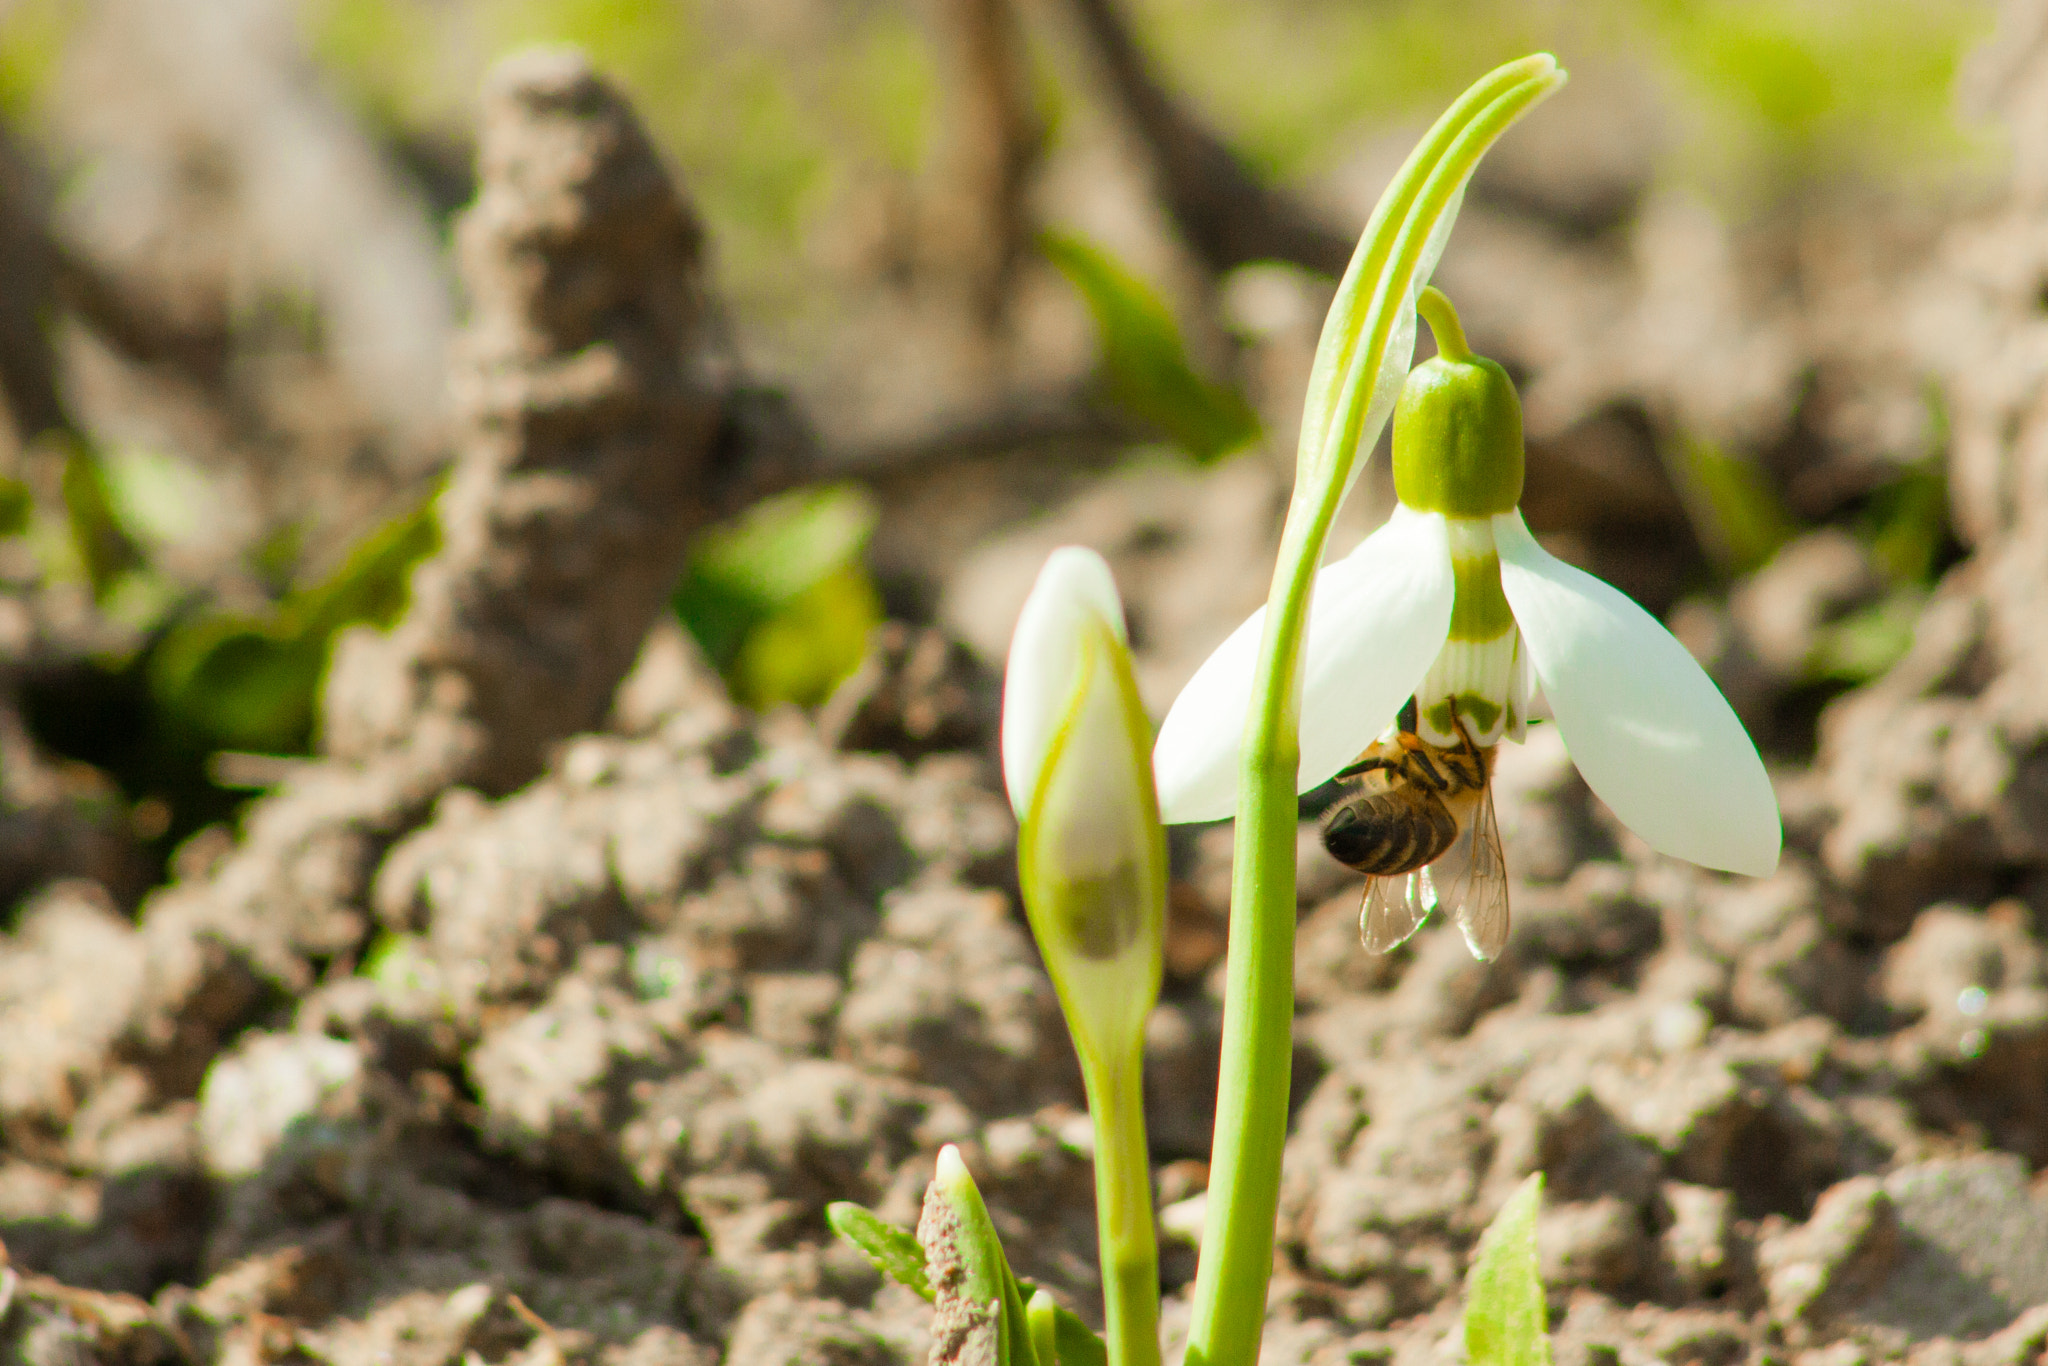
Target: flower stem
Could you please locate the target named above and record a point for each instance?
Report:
(1252, 1088)
(1436, 310)
(1128, 1238)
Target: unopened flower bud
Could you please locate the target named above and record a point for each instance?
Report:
(1090, 850)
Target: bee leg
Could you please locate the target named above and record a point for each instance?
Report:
(1364, 765)
(1466, 745)
(1408, 717)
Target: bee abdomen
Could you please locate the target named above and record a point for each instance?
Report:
(1386, 837)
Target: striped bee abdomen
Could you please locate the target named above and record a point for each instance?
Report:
(1389, 833)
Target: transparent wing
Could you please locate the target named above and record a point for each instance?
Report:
(1395, 908)
(1479, 895)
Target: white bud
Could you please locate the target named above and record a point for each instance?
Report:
(1076, 759)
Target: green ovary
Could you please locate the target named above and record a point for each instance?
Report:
(1458, 439)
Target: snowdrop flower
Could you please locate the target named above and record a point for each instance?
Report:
(1452, 601)
(1091, 853)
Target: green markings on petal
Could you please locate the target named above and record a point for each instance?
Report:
(1476, 712)
(1479, 610)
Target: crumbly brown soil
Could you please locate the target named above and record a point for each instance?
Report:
(520, 1030)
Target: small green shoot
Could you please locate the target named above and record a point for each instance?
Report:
(896, 1254)
(1738, 516)
(901, 1258)
(252, 682)
(781, 600)
(1145, 367)
(1506, 1320)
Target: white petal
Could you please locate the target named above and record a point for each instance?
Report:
(1376, 622)
(1648, 729)
(1074, 589)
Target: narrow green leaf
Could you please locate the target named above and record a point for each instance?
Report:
(1077, 1344)
(1145, 365)
(1907, 523)
(1506, 1320)
(1043, 1316)
(977, 1301)
(106, 549)
(1076, 1341)
(17, 506)
(251, 681)
(896, 1254)
(374, 583)
(1737, 515)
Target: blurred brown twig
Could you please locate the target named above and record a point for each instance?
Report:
(1228, 215)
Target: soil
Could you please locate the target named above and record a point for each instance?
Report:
(537, 1019)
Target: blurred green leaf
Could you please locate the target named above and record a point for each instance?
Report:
(374, 583)
(782, 546)
(239, 682)
(105, 548)
(1506, 1320)
(251, 682)
(801, 652)
(780, 600)
(32, 38)
(1737, 515)
(17, 507)
(1145, 367)
(1866, 643)
(1906, 525)
(896, 1254)
(157, 498)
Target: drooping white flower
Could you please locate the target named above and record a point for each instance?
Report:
(1452, 600)
(1091, 853)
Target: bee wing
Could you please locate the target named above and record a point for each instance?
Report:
(1394, 908)
(1479, 896)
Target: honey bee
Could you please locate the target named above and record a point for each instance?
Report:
(1412, 804)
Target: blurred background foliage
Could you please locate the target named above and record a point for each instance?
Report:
(777, 114)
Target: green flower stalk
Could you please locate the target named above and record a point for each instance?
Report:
(1361, 363)
(1091, 858)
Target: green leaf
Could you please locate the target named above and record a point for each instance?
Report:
(239, 682)
(105, 548)
(1145, 365)
(17, 506)
(801, 652)
(1076, 1341)
(969, 1273)
(157, 498)
(1506, 1320)
(896, 1254)
(1738, 516)
(251, 682)
(781, 600)
(1906, 524)
(374, 583)
(1866, 642)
